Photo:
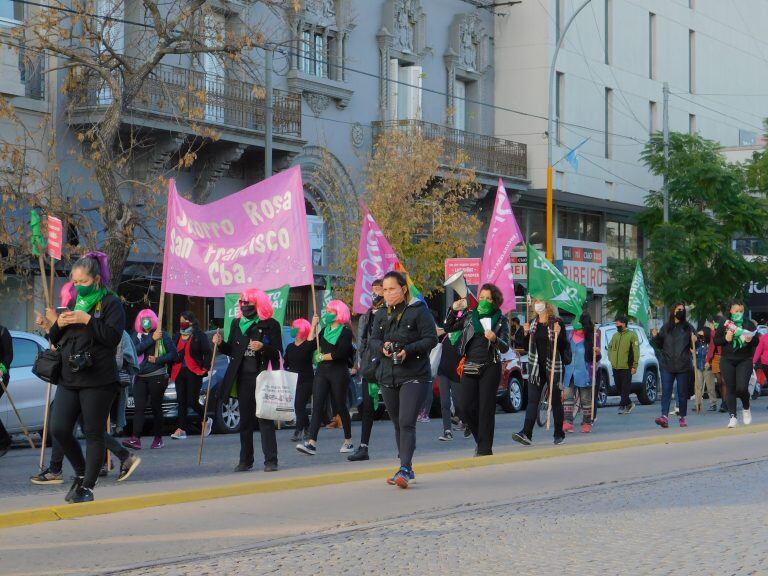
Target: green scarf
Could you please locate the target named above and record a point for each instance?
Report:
(373, 392)
(86, 303)
(738, 319)
(454, 337)
(332, 334)
(494, 316)
(245, 324)
(3, 369)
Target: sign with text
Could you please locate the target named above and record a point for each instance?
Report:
(584, 262)
(279, 299)
(254, 238)
(55, 236)
(470, 267)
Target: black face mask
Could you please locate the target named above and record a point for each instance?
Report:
(248, 311)
(621, 328)
(680, 315)
(377, 300)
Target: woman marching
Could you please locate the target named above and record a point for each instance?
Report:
(484, 337)
(192, 362)
(87, 338)
(332, 375)
(156, 353)
(583, 347)
(543, 332)
(736, 336)
(298, 359)
(255, 341)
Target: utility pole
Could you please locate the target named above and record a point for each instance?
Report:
(665, 134)
(268, 111)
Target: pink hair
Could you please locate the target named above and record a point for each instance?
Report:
(68, 294)
(146, 313)
(303, 327)
(340, 309)
(259, 299)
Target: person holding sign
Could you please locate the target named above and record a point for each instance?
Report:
(298, 358)
(334, 360)
(484, 337)
(255, 342)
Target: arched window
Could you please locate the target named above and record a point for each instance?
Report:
(317, 234)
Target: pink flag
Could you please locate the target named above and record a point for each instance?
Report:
(375, 258)
(254, 238)
(503, 235)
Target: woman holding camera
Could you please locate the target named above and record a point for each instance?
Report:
(332, 375)
(484, 337)
(405, 332)
(87, 338)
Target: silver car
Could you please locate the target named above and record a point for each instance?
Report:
(26, 389)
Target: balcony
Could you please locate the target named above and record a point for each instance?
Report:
(488, 156)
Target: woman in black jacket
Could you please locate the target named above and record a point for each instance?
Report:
(737, 338)
(298, 359)
(193, 357)
(405, 332)
(87, 339)
(255, 341)
(484, 337)
(334, 360)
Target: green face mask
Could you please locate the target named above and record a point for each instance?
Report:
(294, 332)
(329, 318)
(484, 307)
(577, 325)
(146, 324)
(85, 291)
(737, 316)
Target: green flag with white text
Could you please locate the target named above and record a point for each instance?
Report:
(639, 303)
(278, 297)
(547, 283)
(327, 297)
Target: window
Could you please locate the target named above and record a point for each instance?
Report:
(623, 240)
(608, 122)
(11, 11)
(404, 91)
(24, 352)
(691, 124)
(460, 105)
(536, 228)
(691, 61)
(610, 190)
(215, 83)
(559, 106)
(608, 37)
(652, 46)
(559, 183)
(316, 228)
(315, 53)
(578, 226)
(653, 115)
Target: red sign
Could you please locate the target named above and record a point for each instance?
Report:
(470, 267)
(55, 235)
(520, 267)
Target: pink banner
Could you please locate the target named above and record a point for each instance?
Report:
(503, 235)
(375, 258)
(254, 238)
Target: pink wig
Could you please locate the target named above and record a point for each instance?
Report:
(68, 294)
(146, 313)
(340, 309)
(259, 299)
(303, 327)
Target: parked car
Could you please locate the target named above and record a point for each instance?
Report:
(224, 411)
(27, 390)
(512, 394)
(170, 406)
(645, 382)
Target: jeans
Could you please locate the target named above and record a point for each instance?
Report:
(736, 374)
(333, 380)
(477, 397)
(668, 380)
(366, 415)
(122, 401)
(583, 397)
(623, 380)
(403, 405)
(449, 390)
(188, 387)
(152, 387)
(246, 396)
(532, 410)
(93, 405)
(303, 394)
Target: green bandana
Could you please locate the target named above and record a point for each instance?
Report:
(738, 319)
(294, 332)
(576, 325)
(186, 331)
(484, 307)
(332, 334)
(454, 337)
(3, 369)
(245, 324)
(494, 316)
(89, 297)
(373, 392)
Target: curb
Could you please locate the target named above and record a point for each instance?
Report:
(29, 516)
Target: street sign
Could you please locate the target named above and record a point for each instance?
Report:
(55, 235)
(470, 267)
(584, 262)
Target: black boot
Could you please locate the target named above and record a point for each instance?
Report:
(360, 454)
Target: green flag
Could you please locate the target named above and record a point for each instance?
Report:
(327, 297)
(547, 283)
(35, 238)
(279, 299)
(639, 305)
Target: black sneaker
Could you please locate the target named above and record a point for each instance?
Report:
(270, 467)
(467, 432)
(723, 408)
(713, 408)
(559, 440)
(77, 482)
(522, 438)
(47, 477)
(128, 466)
(243, 467)
(82, 494)
(298, 435)
(360, 454)
(307, 448)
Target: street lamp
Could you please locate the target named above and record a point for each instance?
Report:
(550, 129)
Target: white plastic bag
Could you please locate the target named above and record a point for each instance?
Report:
(275, 394)
(752, 383)
(434, 358)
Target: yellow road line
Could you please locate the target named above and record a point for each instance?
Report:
(68, 511)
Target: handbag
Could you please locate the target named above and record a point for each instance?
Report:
(435, 355)
(369, 364)
(47, 366)
(276, 394)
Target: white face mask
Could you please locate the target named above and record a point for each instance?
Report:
(540, 307)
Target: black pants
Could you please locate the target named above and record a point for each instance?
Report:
(303, 394)
(246, 397)
(333, 380)
(623, 380)
(5, 438)
(403, 405)
(152, 388)
(477, 396)
(532, 410)
(93, 404)
(736, 374)
(367, 412)
(188, 387)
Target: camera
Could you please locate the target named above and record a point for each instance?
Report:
(394, 348)
(80, 362)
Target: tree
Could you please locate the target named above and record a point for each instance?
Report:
(691, 258)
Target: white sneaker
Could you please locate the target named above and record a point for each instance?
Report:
(733, 422)
(346, 448)
(208, 426)
(179, 434)
(746, 417)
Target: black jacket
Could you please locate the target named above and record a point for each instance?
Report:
(412, 326)
(199, 348)
(674, 343)
(146, 346)
(449, 360)
(746, 351)
(454, 323)
(518, 339)
(343, 352)
(6, 351)
(268, 332)
(100, 337)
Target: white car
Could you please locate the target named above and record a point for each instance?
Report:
(26, 389)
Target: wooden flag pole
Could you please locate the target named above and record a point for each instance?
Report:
(314, 308)
(594, 374)
(44, 277)
(160, 311)
(552, 380)
(207, 399)
(109, 454)
(13, 405)
(45, 426)
(53, 276)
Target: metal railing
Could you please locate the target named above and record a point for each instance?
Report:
(486, 153)
(201, 97)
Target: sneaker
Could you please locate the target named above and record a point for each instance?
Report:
(270, 467)
(157, 443)
(521, 438)
(423, 417)
(622, 411)
(733, 422)
(677, 411)
(723, 407)
(347, 448)
(243, 467)
(128, 467)
(628, 409)
(360, 454)
(467, 432)
(179, 434)
(746, 417)
(81, 495)
(662, 421)
(567, 427)
(133, 443)
(104, 471)
(683, 423)
(586, 428)
(335, 423)
(559, 440)
(208, 426)
(401, 478)
(307, 448)
(713, 408)
(298, 435)
(447, 436)
(77, 482)
(47, 477)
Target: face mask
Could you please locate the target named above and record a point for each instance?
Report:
(294, 332)
(184, 325)
(248, 311)
(146, 324)
(377, 299)
(620, 328)
(484, 307)
(84, 291)
(680, 314)
(329, 318)
(737, 316)
(186, 331)
(577, 326)
(540, 307)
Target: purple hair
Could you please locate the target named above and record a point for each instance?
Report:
(95, 264)
(68, 294)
